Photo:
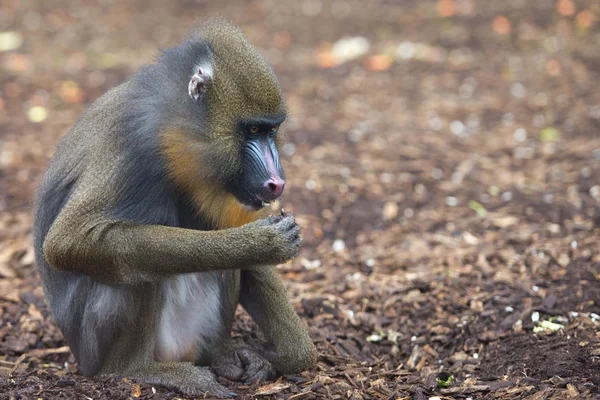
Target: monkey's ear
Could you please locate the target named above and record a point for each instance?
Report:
(198, 83)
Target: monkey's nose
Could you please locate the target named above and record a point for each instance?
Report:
(274, 188)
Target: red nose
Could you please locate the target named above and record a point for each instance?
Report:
(273, 188)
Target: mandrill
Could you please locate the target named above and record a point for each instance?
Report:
(149, 227)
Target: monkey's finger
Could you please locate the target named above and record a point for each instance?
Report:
(247, 356)
(229, 366)
(298, 241)
(286, 223)
(272, 219)
(259, 372)
(293, 232)
(229, 371)
(221, 391)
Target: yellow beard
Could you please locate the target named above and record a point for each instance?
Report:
(223, 209)
(219, 207)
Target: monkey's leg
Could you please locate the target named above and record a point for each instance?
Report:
(265, 298)
(182, 376)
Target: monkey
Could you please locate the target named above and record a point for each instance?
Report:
(150, 222)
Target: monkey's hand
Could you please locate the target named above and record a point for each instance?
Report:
(277, 238)
(245, 365)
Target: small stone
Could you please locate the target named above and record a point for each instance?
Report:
(405, 50)
(506, 196)
(458, 128)
(289, 149)
(520, 135)
(349, 48)
(10, 40)
(37, 114)
(435, 123)
(390, 211)
(338, 245)
(518, 90)
(508, 119)
(386, 177)
(437, 174)
(470, 239)
(550, 301)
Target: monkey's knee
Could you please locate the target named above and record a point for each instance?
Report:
(89, 361)
(298, 358)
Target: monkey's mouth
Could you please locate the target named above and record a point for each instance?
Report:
(253, 203)
(255, 200)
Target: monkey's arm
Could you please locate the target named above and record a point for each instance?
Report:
(127, 252)
(264, 297)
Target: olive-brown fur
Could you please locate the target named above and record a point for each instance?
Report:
(135, 208)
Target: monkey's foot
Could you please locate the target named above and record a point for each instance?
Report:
(184, 377)
(244, 364)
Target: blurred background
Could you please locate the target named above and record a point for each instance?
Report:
(443, 160)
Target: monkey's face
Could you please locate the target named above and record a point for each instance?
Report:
(237, 94)
(261, 178)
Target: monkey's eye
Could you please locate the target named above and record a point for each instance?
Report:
(254, 129)
(274, 129)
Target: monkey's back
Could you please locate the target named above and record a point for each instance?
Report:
(81, 167)
(76, 160)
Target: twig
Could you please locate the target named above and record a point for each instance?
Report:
(350, 380)
(298, 395)
(39, 353)
(466, 390)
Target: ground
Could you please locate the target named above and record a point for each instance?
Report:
(444, 166)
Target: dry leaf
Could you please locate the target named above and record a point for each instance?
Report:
(504, 222)
(136, 390)
(271, 388)
(446, 8)
(379, 62)
(585, 19)
(325, 58)
(565, 7)
(390, 210)
(34, 312)
(282, 39)
(10, 41)
(501, 25)
(70, 92)
(553, 67)
(6, 256)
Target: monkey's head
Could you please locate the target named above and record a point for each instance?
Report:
(234, 111)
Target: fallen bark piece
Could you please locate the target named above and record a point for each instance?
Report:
(466, 390)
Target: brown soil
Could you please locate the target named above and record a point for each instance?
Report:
(459, 229)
